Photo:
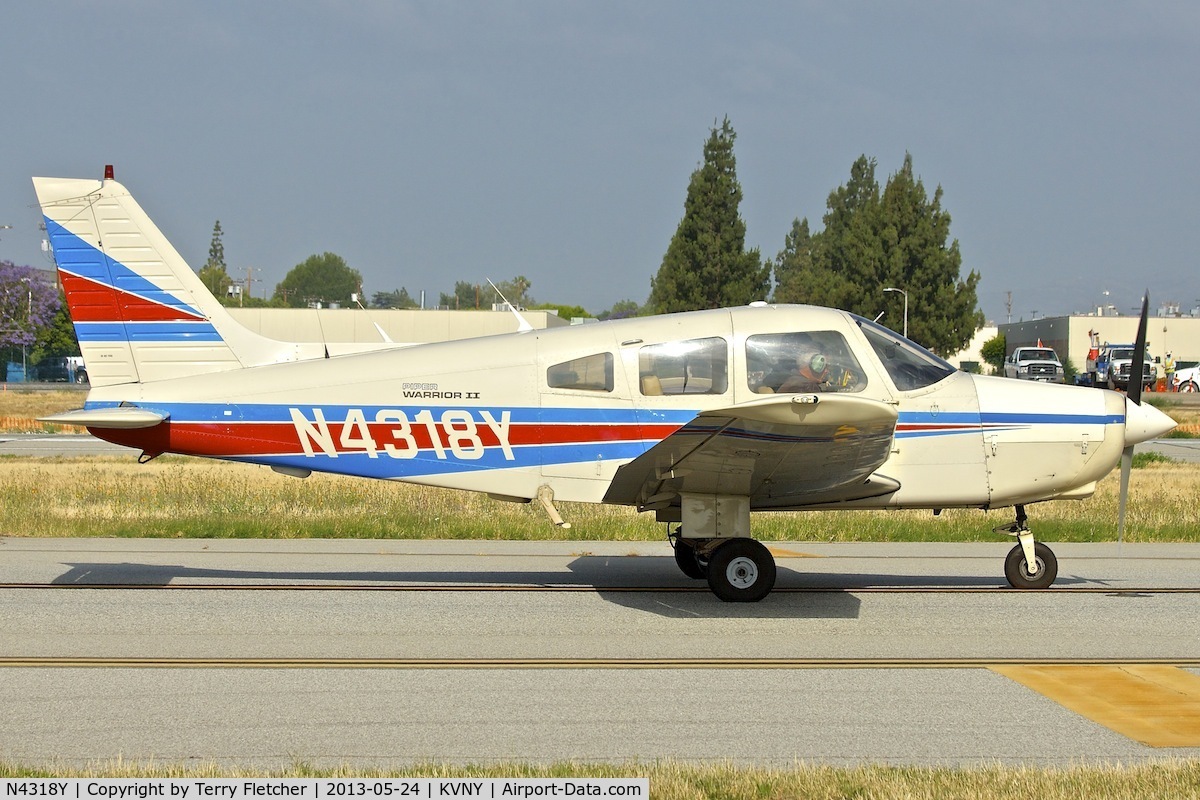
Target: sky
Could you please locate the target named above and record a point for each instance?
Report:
(429, 142)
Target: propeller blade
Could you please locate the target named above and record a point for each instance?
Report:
(1138, 365)
(1133, 391)
(1126, 466)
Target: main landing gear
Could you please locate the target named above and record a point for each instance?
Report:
(1029, 565)
(738, 570)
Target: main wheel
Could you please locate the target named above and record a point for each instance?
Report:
(689, 561)
(1017, 570)
(741, 571)
(1189, 386)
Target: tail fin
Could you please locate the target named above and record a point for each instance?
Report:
(141, 314)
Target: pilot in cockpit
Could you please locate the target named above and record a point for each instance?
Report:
(811, 375)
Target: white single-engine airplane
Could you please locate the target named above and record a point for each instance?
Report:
(700, 417)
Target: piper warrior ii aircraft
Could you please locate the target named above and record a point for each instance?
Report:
(700, 417)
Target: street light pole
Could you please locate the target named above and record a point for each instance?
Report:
(901, 291)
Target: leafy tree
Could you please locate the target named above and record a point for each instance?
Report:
(321, 279)
(564, 311)
(706, 264)
(27, 305)
(516, 291)
(56, 339)
(398, 298)
(623, 309)
(873, 240)
(994, 351)
(467, 295)
(214, 273)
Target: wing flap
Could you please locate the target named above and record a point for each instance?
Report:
(780, 451)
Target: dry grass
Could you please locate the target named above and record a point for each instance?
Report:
(676, 781)
(19, 408)
(185, 497)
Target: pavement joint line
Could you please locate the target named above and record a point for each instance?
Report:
(994, 664)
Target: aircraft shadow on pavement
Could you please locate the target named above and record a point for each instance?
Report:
(616, 579)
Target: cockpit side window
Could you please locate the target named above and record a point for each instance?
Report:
(693, 366)
(812, 361)
(909, 365)
(592, 373)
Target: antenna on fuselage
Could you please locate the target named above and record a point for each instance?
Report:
(522, 323)
(382, 333)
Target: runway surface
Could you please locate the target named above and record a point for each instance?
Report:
(388, 652)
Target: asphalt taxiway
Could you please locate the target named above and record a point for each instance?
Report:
(390, 652)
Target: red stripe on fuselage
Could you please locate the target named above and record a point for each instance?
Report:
(281, 438)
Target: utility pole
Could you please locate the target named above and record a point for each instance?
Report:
(249, 280)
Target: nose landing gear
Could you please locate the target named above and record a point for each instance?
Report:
(1029, 565)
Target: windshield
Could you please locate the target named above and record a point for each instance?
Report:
(909, 365)
(1039, 355)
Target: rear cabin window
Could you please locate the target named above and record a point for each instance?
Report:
(811, 361)
(693, 366)
(592, 373)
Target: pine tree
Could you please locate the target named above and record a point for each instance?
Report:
(214, 274)
(943, 308)
(873, 240)
(706, 264)
(216, 249)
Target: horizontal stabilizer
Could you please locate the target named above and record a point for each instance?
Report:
(121, 417)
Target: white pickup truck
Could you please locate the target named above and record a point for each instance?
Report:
(1034, 364)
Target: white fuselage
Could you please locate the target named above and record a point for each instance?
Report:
(565, 408)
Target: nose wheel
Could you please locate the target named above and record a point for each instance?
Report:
(1019, 574)
(1029, 565)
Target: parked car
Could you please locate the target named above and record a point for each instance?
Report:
(68, 369)
(1188, 380)
(1034, 364)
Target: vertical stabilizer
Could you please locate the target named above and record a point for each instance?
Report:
(141, 314)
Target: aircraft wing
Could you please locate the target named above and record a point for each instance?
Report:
(783, 451)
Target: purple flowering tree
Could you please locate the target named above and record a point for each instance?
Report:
(28, 305)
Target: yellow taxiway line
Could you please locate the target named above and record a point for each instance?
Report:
(1155, 704)
(1152, 701)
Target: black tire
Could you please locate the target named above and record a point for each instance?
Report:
(1190, 386)
(688, 561)
(1017, 571)
(741, 571)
